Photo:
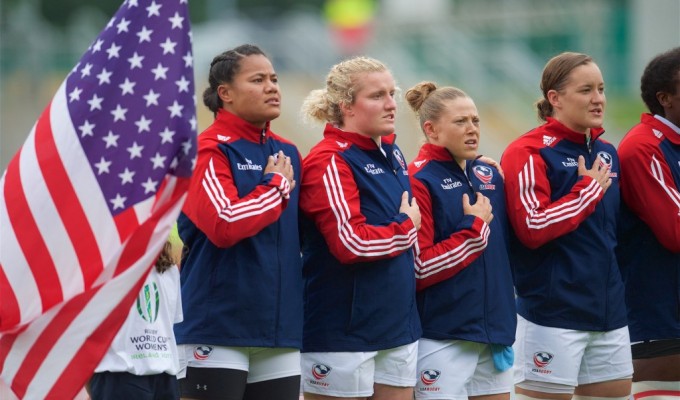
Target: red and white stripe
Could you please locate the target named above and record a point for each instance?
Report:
(250, 208)
(69, 271)
(551, 215)
(657, 172)
(454, 257)
(353, 242)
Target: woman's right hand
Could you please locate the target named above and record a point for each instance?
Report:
(410, 209)
(599, 171)
(482, 207)
(281, 164)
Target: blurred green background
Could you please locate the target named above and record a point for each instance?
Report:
(493, 49)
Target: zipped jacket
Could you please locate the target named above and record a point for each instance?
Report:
(241, 272)
(649, 244)
(463, 274)
(564, 229)
(357, 246)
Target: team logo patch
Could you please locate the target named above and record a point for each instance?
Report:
(148, 302)
(400, 158)
(605, 159)
(320, 371)
(419, 163)
(483, 173)
(342, 144)
(202, 352)
(430, 376)
(542, 358)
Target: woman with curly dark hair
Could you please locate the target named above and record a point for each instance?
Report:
(649, 247)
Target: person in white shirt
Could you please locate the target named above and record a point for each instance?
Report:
(142, 361)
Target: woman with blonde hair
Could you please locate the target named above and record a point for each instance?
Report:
(463, 277)
(361, 324)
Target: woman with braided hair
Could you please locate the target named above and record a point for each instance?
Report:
(241, 269)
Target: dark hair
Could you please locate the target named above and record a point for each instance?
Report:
(165, 259)
(223, 68)
(660, 75)
(555, 75)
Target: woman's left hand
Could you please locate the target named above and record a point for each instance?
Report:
(492, 163)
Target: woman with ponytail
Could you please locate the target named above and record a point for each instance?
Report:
(241, 267)
(562, 192)
(463, 277)
(361, 325)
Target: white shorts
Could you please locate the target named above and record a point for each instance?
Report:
(456, 369)
(261, 363)
(570, 357)
(352, 374)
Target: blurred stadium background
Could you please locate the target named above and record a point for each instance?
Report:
(493, 49)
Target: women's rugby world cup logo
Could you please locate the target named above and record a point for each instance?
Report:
(148, 302)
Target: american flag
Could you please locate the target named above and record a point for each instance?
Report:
(89, 199)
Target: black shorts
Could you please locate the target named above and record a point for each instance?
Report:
(124, 385)
(230, 384)
(656, 348)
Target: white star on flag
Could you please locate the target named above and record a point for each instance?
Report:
(89, 200)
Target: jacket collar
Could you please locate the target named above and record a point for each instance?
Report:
(362, 141)
(559, 129)
(238, 126)
(435, 153)
(660, 126)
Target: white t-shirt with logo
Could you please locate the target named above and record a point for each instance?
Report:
(145, 344)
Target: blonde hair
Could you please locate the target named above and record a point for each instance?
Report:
(341, 84)
(427, 101)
